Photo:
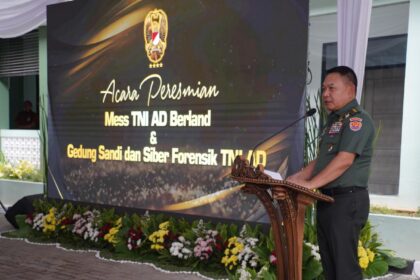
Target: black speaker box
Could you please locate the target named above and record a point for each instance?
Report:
(21, 207)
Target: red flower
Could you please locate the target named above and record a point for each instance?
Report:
(66, 221)
(133, 236)
(219, 243)
(104, 230)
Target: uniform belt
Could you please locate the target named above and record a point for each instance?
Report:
(344, 190)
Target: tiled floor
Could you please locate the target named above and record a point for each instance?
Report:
(20, 260)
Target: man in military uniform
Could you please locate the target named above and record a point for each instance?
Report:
(341, 170)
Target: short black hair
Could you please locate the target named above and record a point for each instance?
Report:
(344, 71)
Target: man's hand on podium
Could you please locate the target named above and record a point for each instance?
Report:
(300, 181)
(303, 177)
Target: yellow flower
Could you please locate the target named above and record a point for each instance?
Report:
(158, 237)
(164, 226)
(111, 238)
(113, 230)
(49, 221)
(233, 259)
(157, 247)
(234, 247)
(232, 241)
(118, 223)
(364, 262)
(238, 248)
(361, 252)
(371, 255)
(230, 261)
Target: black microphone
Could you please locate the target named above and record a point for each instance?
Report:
(308, 113)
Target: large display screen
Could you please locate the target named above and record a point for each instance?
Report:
(150, 101)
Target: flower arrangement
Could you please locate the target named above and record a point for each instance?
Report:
(84, 225)
(218, 251)
(373, 259)
(111, 236)
(158, 237)
(207, 242)
(181, 248)
(134, 238)
(240, 250)
(24, 170)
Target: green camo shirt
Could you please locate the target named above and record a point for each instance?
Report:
(349, 129)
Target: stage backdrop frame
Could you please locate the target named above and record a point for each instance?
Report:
(150, 101)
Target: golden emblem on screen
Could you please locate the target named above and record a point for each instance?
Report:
(155, 36)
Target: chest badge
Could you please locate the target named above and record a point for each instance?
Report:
(330, 147)
(335, 128)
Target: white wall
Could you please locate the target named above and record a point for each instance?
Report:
(386, 20)
(409, 186)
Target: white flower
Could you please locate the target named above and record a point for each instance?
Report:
(38, 222)
(76, 216)
(314, 250)
(179, 249)
(243, 231)
(260, 274)
(244, 274)
(253, 263)
(247, 255)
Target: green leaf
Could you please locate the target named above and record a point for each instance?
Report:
(270, 241)
(222, 229)
(136, 220)
(397, 262)
(306, 253)
(386, 253)
(311, 270)
(267, 275)
(233, 230)
(377, 268)
(121, 247)
(263, 254)
(20, 220)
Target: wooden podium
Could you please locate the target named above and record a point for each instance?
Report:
(285, 204)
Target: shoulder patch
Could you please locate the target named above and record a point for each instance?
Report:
(355, 124)
(356, 119)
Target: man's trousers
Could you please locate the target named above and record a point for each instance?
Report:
(338, 227)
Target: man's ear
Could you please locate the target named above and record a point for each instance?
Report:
(353, 90)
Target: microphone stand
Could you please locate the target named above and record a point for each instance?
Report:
(309, 113)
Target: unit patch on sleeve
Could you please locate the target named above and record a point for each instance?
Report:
(355, 124)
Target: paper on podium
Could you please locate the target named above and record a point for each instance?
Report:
(274, 175)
